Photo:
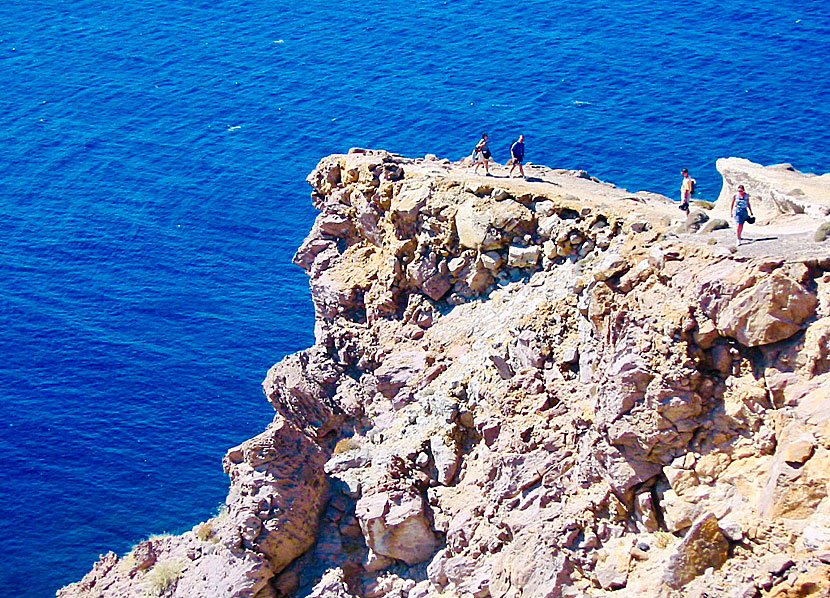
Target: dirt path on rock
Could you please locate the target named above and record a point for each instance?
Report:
(790, 237)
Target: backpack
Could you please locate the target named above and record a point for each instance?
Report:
(694, 187)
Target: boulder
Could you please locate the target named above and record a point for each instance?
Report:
(703, 546)
(395, 524)
(774, 190)
(484, 223)
(613, 563)
(774, 308)
(445, 455)
(523, 257)
(398, 368)
(407, 204)
(611, 265)
(332, 585)
(694, 222)
(531, 566)
(714, 224)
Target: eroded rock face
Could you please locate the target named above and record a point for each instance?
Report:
(274, 501)
(528, 390)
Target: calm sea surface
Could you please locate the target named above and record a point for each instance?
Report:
(152, 165)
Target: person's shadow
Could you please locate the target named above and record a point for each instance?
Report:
(749, 240)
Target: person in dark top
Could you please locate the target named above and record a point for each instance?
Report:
(517, 150)
(481, 155)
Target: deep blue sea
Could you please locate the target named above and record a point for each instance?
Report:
(152, 165)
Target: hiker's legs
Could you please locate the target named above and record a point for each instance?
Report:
(522, 169)
(740, 228)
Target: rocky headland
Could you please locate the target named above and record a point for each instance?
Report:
(532, 389)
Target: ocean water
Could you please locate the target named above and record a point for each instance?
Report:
(152, 165)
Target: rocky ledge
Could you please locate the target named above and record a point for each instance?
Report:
(537, 388)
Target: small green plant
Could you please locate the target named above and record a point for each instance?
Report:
(162, 576)
(346, 444)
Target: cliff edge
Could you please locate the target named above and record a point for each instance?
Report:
(527, 388)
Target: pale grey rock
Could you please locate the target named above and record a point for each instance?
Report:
(523, 257)
(445, 456)
(456, 264)
(491, 260)
(376, 562)
(395, 524)
(774, 190)
(341, 462)
(332, 585)
(777, 564)
(614, 562)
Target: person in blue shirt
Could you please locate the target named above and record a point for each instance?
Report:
(517, 150)
(741, 210)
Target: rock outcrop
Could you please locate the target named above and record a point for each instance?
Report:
(775, 191)
(518, 389)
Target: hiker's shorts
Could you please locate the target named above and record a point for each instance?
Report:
(741, 216)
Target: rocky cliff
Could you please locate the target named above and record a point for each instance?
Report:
(520, 389)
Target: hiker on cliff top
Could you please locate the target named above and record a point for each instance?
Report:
(687, 187)
(481, 155)
(517, 150)
(742, 211)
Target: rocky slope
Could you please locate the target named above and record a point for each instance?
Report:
(534, 388)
